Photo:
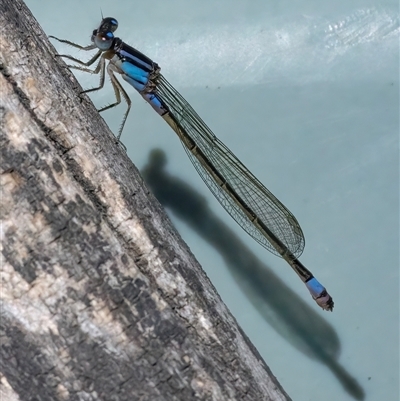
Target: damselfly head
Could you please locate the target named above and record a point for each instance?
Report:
(103, 36)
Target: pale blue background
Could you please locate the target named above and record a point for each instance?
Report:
(306, 94)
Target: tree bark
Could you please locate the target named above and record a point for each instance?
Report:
(100, 297)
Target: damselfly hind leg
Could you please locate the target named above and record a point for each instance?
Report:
(118, 90)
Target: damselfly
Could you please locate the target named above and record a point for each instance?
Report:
(253, 207)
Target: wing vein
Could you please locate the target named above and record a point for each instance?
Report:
(260, 203)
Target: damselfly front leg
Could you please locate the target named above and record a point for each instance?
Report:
(100, 68)
(86, 48)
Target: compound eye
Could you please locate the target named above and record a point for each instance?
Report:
(111, 23)
(103, 40)
(108, 25)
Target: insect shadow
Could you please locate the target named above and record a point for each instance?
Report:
(279, 306)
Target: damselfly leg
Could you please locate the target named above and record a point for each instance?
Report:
(100, 69)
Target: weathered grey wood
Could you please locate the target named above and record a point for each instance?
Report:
(100, 297)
